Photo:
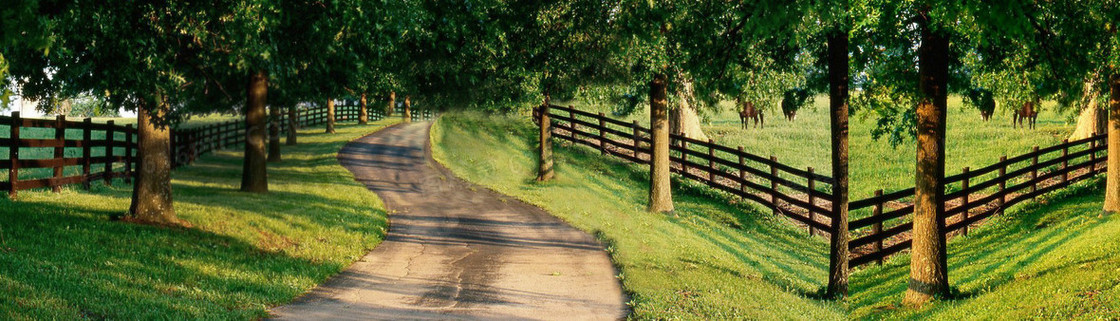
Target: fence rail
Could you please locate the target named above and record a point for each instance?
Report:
(800, 194)
(81, 152)
(975, 195)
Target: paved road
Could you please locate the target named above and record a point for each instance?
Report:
(459, 251)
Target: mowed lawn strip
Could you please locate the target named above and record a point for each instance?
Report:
(711, 259)
(61, 257)
(1058, 259)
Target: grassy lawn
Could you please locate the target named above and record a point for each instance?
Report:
(61, 257)
(874, 163)
(713, 259)
(1055, 259)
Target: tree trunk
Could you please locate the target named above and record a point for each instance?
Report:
(254, 173)
(544, 168)
(1112, 182)
(330, 116)
(838, 105)
(928, 271)
(274, 135)
(363, 113)
(293, 125)
(151, 194)
(392, 104)
(407, 115)
(1092, 120)
(683, 119)
(660, 188)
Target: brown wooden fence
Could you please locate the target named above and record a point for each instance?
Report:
(799, 194)
(974, 195)
(802, 195)
(51, 153)
(73, 152)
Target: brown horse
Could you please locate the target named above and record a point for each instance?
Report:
(749, 111)
(1028, 112)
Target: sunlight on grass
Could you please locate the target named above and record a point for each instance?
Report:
(63, 258)
(711, 259)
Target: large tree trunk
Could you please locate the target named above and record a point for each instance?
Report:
(683, 119)
(1112, 182)
(330, 116)
(407, 115)
(838, 106)
(151, 194)
(293, 125)
(1092, 120)
(928, 272)
(274, 134)
(254, 173)
(392, 104)
(363, 113)
(660, 189)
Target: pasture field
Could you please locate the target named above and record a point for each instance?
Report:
(875, 164)
(1053, 259)
(63, 257)
(713, 258)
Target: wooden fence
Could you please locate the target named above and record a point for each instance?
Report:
(74, 152)
(799, 194)
(802, 195)
(82, 152)
(974, 195)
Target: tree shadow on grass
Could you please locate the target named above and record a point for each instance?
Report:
(70, 261)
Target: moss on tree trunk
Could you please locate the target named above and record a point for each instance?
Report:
(254, 174)
(928, 274)
(660, 189)
(151, 193)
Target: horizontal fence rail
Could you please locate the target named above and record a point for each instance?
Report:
(799, 194)
(51, 153)
(974, 195)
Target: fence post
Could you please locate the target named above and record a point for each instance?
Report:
(193, 146)
(544, 170)
(877, 228)
(1093, 155)
(684, 154)
(87, 136)
(964, 199)
(742, 174)
(637, 140)
(1002, 184)
(109, 137)
(774, 185)
(13, 154)
(1065, 162)
(59, 151)
(572, 116)
(812, 202)
(711, 161)
(128, 154)
(1034, 170)
(602, 136)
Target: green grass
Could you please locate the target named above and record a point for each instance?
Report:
(874, 164)
(713, 259)
(61, 257)
(1055, 259)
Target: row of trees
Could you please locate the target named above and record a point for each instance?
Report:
(903, 57)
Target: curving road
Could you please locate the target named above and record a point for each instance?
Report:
(459, 251)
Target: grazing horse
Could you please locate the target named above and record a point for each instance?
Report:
(1028, 113)
(751, 112)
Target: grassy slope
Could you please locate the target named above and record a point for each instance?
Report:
(62, 258)
(875, 164)
(1055, 259)
(713, 261)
